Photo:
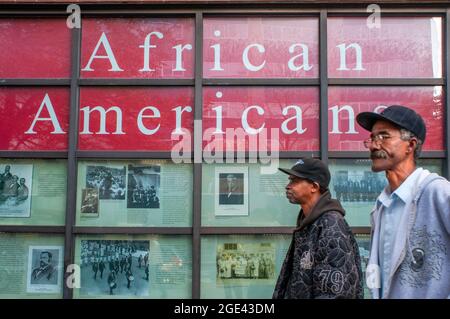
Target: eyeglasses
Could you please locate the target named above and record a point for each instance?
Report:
(376, 139)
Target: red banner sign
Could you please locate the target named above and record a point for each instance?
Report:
(138, 48)
(34, 119)
(135, 118)
(288, 116)
(32, 48)
(345, 103)
(390, 47)
(255, 47)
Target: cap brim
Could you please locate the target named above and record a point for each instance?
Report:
(368, 119)
(292, 172)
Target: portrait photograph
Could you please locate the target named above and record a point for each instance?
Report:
(110, 181)
(231, 191)
(45, 264)
(15, 190)
(89, 202)
(115, 268)
(143, 186)
(237, 262)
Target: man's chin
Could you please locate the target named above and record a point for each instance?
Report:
(377, 165)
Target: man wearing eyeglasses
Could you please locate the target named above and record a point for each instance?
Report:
(410, 241)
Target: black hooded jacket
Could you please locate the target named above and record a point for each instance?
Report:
(323, 259)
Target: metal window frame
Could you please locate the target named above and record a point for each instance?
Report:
(196, 231)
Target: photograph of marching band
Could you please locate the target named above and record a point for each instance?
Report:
(143, 186)
(240, 262)
(115, 267)
(15, 190)
(110, 181)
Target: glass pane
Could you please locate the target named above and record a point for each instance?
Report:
(363, 241)
(345, 103)
(355, 185)
(32, 192)
(134, 193)
(134, 266)
(261, 118)
(245, 195)
(34, 48)
(31, 266)
(138, 118)
(34, 118)
(261, 47)
(398, 47)
(257, 261)
(138, 48)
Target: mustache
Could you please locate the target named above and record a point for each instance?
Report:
(378, 154)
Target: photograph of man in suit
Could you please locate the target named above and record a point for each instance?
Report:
(231, 189)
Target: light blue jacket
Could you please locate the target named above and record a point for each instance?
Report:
(420, 266)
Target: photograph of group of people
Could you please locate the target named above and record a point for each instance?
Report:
(15, 190)
(115, 267)
(143, 186)
(245, 262)
(44, 269)
(140, 185)
(363, 186)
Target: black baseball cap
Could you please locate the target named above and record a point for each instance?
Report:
(312, 169)
(397, 114)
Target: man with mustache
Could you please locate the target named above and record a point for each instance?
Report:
(410, 241)
(323, 260)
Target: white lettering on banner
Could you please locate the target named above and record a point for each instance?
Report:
(142, 128)
(109, 55)
(87, 112)
(216, 48)
(178, 60)
(305, 66)
(289, 126)
(380, 108)
(147, 46)
(298, 120)
(343, 56)
(178, 111)
(247, 62)
(47, 103)
(245, 125)
(351, 119)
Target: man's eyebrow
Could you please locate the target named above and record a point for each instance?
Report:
(384, 132)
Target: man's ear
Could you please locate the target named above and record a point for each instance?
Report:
(316, 187)
(412, 145)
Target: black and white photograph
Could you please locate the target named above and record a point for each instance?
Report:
(143, 186)
(363, 241)
(115, 267)
(238, 262)
(231, 191)
(358, 186)
(110, 181)
(89, 202)
(44, 269)
(15, 190)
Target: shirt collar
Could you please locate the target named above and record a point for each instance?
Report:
(403, 191)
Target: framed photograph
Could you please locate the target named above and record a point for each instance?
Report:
(45, 264)
(110, 181)
(231, 191)
(242, 263)
(15, 190)
(143, 186)
(115, 267)
(89, 202)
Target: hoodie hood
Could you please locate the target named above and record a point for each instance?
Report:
(323, 205)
